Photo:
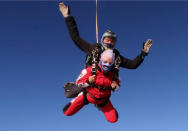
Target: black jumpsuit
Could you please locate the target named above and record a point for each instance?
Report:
(87, 47)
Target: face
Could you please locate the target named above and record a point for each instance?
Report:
(107, 60)
(106, 63)
(109, 40)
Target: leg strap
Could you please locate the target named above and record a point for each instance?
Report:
(85, 97)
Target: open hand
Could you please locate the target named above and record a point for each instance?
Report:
(147, 45)
(64, 9)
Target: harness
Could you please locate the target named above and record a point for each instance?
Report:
(97, 98)
(106, 99)
(93, 58)
(116, 64)
(99, 106)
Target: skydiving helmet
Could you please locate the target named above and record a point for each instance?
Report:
(109, 34)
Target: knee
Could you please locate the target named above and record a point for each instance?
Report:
(112, 116)
(113, 120)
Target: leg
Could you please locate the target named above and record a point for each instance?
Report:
(110, 112)
(75, 105)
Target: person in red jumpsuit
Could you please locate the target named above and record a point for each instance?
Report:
(97, 88)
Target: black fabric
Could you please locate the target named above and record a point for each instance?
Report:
(87, 47)
(66, 107)
(85, 97)
(117, 114)
(94, 56)
(71, 90)
(97, 98)
(103, 88)
(99, 106)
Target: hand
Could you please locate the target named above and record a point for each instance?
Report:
(147, 46)
(114, 84)
(64, 9)
(92, 79)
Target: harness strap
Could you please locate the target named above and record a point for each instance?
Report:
(85, 97)
(117, 62)
(99, 106)
(97, 98)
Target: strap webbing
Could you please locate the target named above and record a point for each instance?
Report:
(97, 98)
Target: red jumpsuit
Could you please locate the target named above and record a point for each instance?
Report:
(95, 95)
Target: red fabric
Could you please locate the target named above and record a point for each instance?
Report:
(75, 106)
(109, 112)
(108, 109)
(102, 79)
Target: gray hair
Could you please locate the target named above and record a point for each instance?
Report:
(108, 53)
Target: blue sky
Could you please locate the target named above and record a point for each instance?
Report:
(37, 57)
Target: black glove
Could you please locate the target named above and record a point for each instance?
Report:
(72, 90)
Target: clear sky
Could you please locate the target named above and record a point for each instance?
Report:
(37, 57)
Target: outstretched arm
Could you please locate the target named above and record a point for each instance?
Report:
(133, 64)
(73, 30)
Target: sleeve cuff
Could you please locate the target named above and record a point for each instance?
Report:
(144, 53)
(69, 18)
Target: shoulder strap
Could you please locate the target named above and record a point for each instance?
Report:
(116, 64)
(117, 59)
(95, 55)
